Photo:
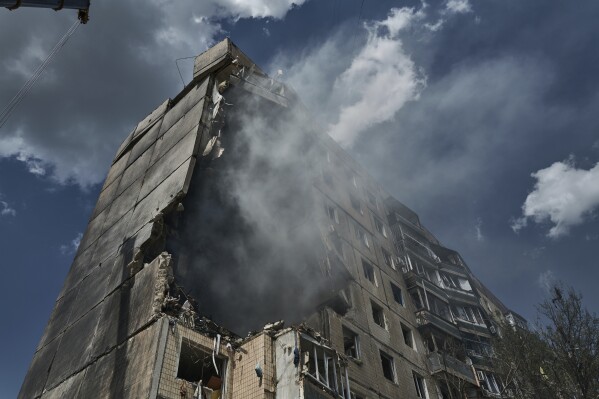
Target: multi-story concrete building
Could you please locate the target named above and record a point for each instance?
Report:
(227, 209)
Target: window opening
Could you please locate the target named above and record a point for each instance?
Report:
(195, 365)
(420, 385)
(397, 294)
(369, 272)
(378, 315)
(388, 258)
(361, 235)
(351, 343)
(380, 226)
(408, 338)
(332, 213)
(388, 366)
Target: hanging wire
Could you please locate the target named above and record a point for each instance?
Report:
(16, 100)
(177, 64)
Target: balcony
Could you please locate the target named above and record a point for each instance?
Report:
(461, 295)
(413, 279)
(454, 268)
(420, 249)
(473, 328)
(426, 319)
(442, 362)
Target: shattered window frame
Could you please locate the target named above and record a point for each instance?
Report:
(408, 336)
(369, 272)
(188, 349)
(397, 293)
(378, 315)
(420, 385)
(361, 235)
(388, 258)
(388, 366)
(351, 343)
(332, 213)
(379, 226)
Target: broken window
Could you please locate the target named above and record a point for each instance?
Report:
(332, 213)
(362, 236)
(420, 385)
(196, 364)
(388, 258)
(380, 226)
(388, 366)
(397, 294)
(351, 343)
(378, 315)
(321, 365)
(408, 338)
(369, 272)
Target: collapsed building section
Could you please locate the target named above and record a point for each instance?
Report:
(227, 208)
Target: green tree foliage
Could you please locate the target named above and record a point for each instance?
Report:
(560, 359)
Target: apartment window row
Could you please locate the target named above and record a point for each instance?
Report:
(378, 315)
(370, 275)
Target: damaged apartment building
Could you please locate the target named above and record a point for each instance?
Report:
(226, 211)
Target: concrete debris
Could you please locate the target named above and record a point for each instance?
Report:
(222, 86)
(275, 326)
(163, 281)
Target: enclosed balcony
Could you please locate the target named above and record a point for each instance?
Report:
(442, 362)
(427, 320)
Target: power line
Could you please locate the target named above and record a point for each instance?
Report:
(178, 69)
(16, 100)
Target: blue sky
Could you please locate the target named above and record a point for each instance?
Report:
(480, 115)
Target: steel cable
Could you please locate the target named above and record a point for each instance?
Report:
(14, 102)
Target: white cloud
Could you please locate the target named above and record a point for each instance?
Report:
(458, 6)
(258, 8)
(357, 91)
(564, 195)
(69, 126)
(6, 210)
(71, 247)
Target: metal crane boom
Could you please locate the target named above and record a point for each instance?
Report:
(81, 5)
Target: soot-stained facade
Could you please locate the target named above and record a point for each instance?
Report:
(224, 212)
